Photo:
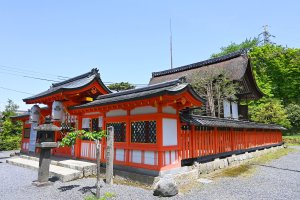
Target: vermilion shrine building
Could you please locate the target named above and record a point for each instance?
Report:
(155, 131)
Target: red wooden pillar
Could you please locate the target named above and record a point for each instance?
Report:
(128, 138)
(231, 139)
(159, 137)
(216, 139)
(192, 142)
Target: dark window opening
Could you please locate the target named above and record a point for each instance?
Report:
(119, 131)
(143, 132)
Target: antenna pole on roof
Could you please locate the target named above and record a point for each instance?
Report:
(171, 52)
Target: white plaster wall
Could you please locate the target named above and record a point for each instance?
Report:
(100, 122)
(167, 158)
(120, 154)
(235, 114)
(173, 157)
(143, 110)
(136, 156)
(169, 132)
(226, 106)
(115, 113)
(169, 109)
(149, 157)
(85, 122)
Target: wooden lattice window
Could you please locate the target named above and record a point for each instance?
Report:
(27, 133)
(143, 132)
(119, 131)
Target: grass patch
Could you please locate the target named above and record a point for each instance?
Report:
(292, 140)
(247, 169)
(121, 181)
(106, 196)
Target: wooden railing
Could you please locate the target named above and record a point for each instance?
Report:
(204, 141)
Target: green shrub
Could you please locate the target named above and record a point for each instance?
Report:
(10, 142)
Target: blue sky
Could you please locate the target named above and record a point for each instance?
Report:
(126, 40)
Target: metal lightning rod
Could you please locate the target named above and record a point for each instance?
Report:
(171, 51)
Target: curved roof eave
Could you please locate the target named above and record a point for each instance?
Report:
(69, 89)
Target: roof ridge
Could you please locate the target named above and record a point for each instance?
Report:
(92, 72)
(147, 88)
(201, 63)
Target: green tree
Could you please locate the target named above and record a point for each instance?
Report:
(247, 44)
(277, 71)
(293, 112)
(70, 139)
(10, 132)
(270, 111)
(121, 86)
(215, 87)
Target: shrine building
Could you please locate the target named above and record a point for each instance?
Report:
(155, 131)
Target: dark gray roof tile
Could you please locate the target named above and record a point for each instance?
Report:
(170, 87)
(226, 123)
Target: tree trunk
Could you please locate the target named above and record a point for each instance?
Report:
(98, 150)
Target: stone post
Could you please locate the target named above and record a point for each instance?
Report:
(110, 155)
(44, 165)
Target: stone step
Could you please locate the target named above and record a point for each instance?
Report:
(87, 168)
(62, 173)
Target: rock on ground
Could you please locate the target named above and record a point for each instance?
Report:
(166, 187)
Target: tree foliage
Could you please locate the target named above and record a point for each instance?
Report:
(70, 138)
(247, 44)
(10, 131)
(277, 73)
(121, 86)
(271, 111)
(293, 112)
(215, 87)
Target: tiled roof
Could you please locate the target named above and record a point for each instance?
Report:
(20, 116)
(72, 83)
(236, 66)
(170, 87)
(229, 123)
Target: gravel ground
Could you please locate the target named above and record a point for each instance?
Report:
(279, 179)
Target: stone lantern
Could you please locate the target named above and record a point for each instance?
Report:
(46, 142)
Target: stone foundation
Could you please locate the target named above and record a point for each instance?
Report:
(194, 172)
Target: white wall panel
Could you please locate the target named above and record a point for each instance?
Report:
(143, 110)
(235, 114)
(115, 113)
(169, 132)
(85, 122)
(120, 154)
(149, 157)
(136, 156)
(226, 106)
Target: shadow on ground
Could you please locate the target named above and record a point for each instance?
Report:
(68, 187)
(87, 189)
(83, 190)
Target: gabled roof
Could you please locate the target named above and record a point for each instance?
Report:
(236, 65)
(71, 84)
(171, 87)
(221, 122)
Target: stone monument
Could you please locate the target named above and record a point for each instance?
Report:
(109, 155)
